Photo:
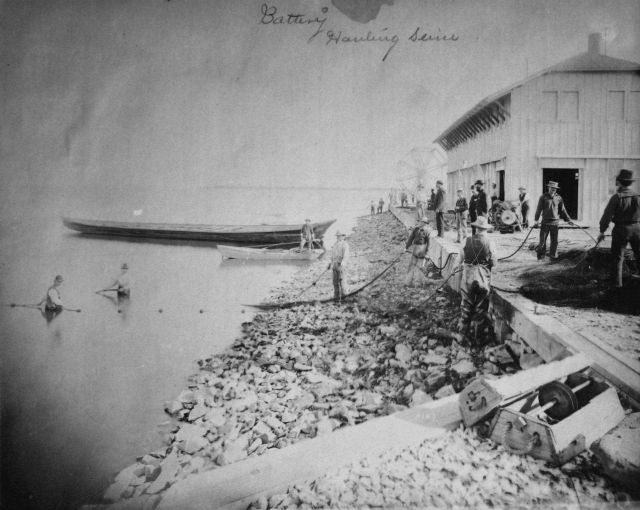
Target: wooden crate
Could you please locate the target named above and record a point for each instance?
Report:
(481, 398)
(558, 442)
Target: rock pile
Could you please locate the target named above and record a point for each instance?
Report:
(454, 471)
(300, 372)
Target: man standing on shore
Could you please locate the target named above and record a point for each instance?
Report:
(380, 205)
(524, 206)
(479, 257)
(438, 207)
(624, 210)
(421, 202)
(418, 244)
(307, 235)
(339, 255)
(551, 207)
(461, 216)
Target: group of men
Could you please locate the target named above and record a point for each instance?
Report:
(51, 304)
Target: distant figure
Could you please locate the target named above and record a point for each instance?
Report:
(307, 235)
(413, 198)
(624, 210)
(481, 205)
(339, 255)
(380, 205)
(438, 207)
(551, 207)
(461, 216)
(373, 208)
(523, 197)
(121, 284)
(473, 208)
(404, 201)
(418, 244)
(432, 200)
(479, 257)
(52, 301)
(421, 202)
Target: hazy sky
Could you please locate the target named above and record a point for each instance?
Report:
(197, 93)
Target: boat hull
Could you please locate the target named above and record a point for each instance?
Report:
(259, 234)
(238, 252)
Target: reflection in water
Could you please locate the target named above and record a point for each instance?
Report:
(120, 300)
(50, 313)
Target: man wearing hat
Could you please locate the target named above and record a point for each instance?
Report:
(479, 257)
(461, 216)
(438, 207)
(418, 244)
(624, 210)
(524, 206)
(52, 300)
(551, 208)
(307, 235)
(481, 204)
(339, 255)
(121, 283)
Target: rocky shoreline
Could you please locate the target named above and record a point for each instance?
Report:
(296, 373)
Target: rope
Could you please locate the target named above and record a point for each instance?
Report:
(583, 230)
(519, 247)
(271, 306)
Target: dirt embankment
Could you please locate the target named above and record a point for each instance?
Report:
(305, 371)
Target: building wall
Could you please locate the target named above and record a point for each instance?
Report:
(589, 121)
(473, 159)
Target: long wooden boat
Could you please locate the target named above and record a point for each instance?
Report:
(240, 252)
(259, 234)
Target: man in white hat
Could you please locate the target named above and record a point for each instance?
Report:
(551, 208)
(624, 210)
(479, 257)
(339, 255)
(417, 244)
(523, 197)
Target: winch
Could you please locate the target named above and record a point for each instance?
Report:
(553, 421)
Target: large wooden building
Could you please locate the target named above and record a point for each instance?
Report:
(577, 123)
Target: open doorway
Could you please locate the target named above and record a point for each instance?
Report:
(501, 185)
(568, 180)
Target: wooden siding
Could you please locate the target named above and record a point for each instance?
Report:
(595, 143)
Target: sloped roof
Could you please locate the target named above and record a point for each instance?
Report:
(584, 62)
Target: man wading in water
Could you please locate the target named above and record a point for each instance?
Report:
(339, 256)
(307, 235)
(479, 257)
(418, 244)
(121, 283)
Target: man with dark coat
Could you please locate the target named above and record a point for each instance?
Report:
(473, 206)
(551, 208)
(418, 244)
(624, 210)
(481, 207)
(438, 207)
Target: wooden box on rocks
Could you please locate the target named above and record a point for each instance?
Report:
(569, 417)
(481, 398)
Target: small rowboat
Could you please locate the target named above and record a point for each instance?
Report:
(239, 252)
(258, 234)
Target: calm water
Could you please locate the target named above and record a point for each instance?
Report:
(82, 395)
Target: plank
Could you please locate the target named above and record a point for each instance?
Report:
(236, 485)
(549, 337)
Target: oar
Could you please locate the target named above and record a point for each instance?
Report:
(14, 305)
(314, 282)
(71, 309)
